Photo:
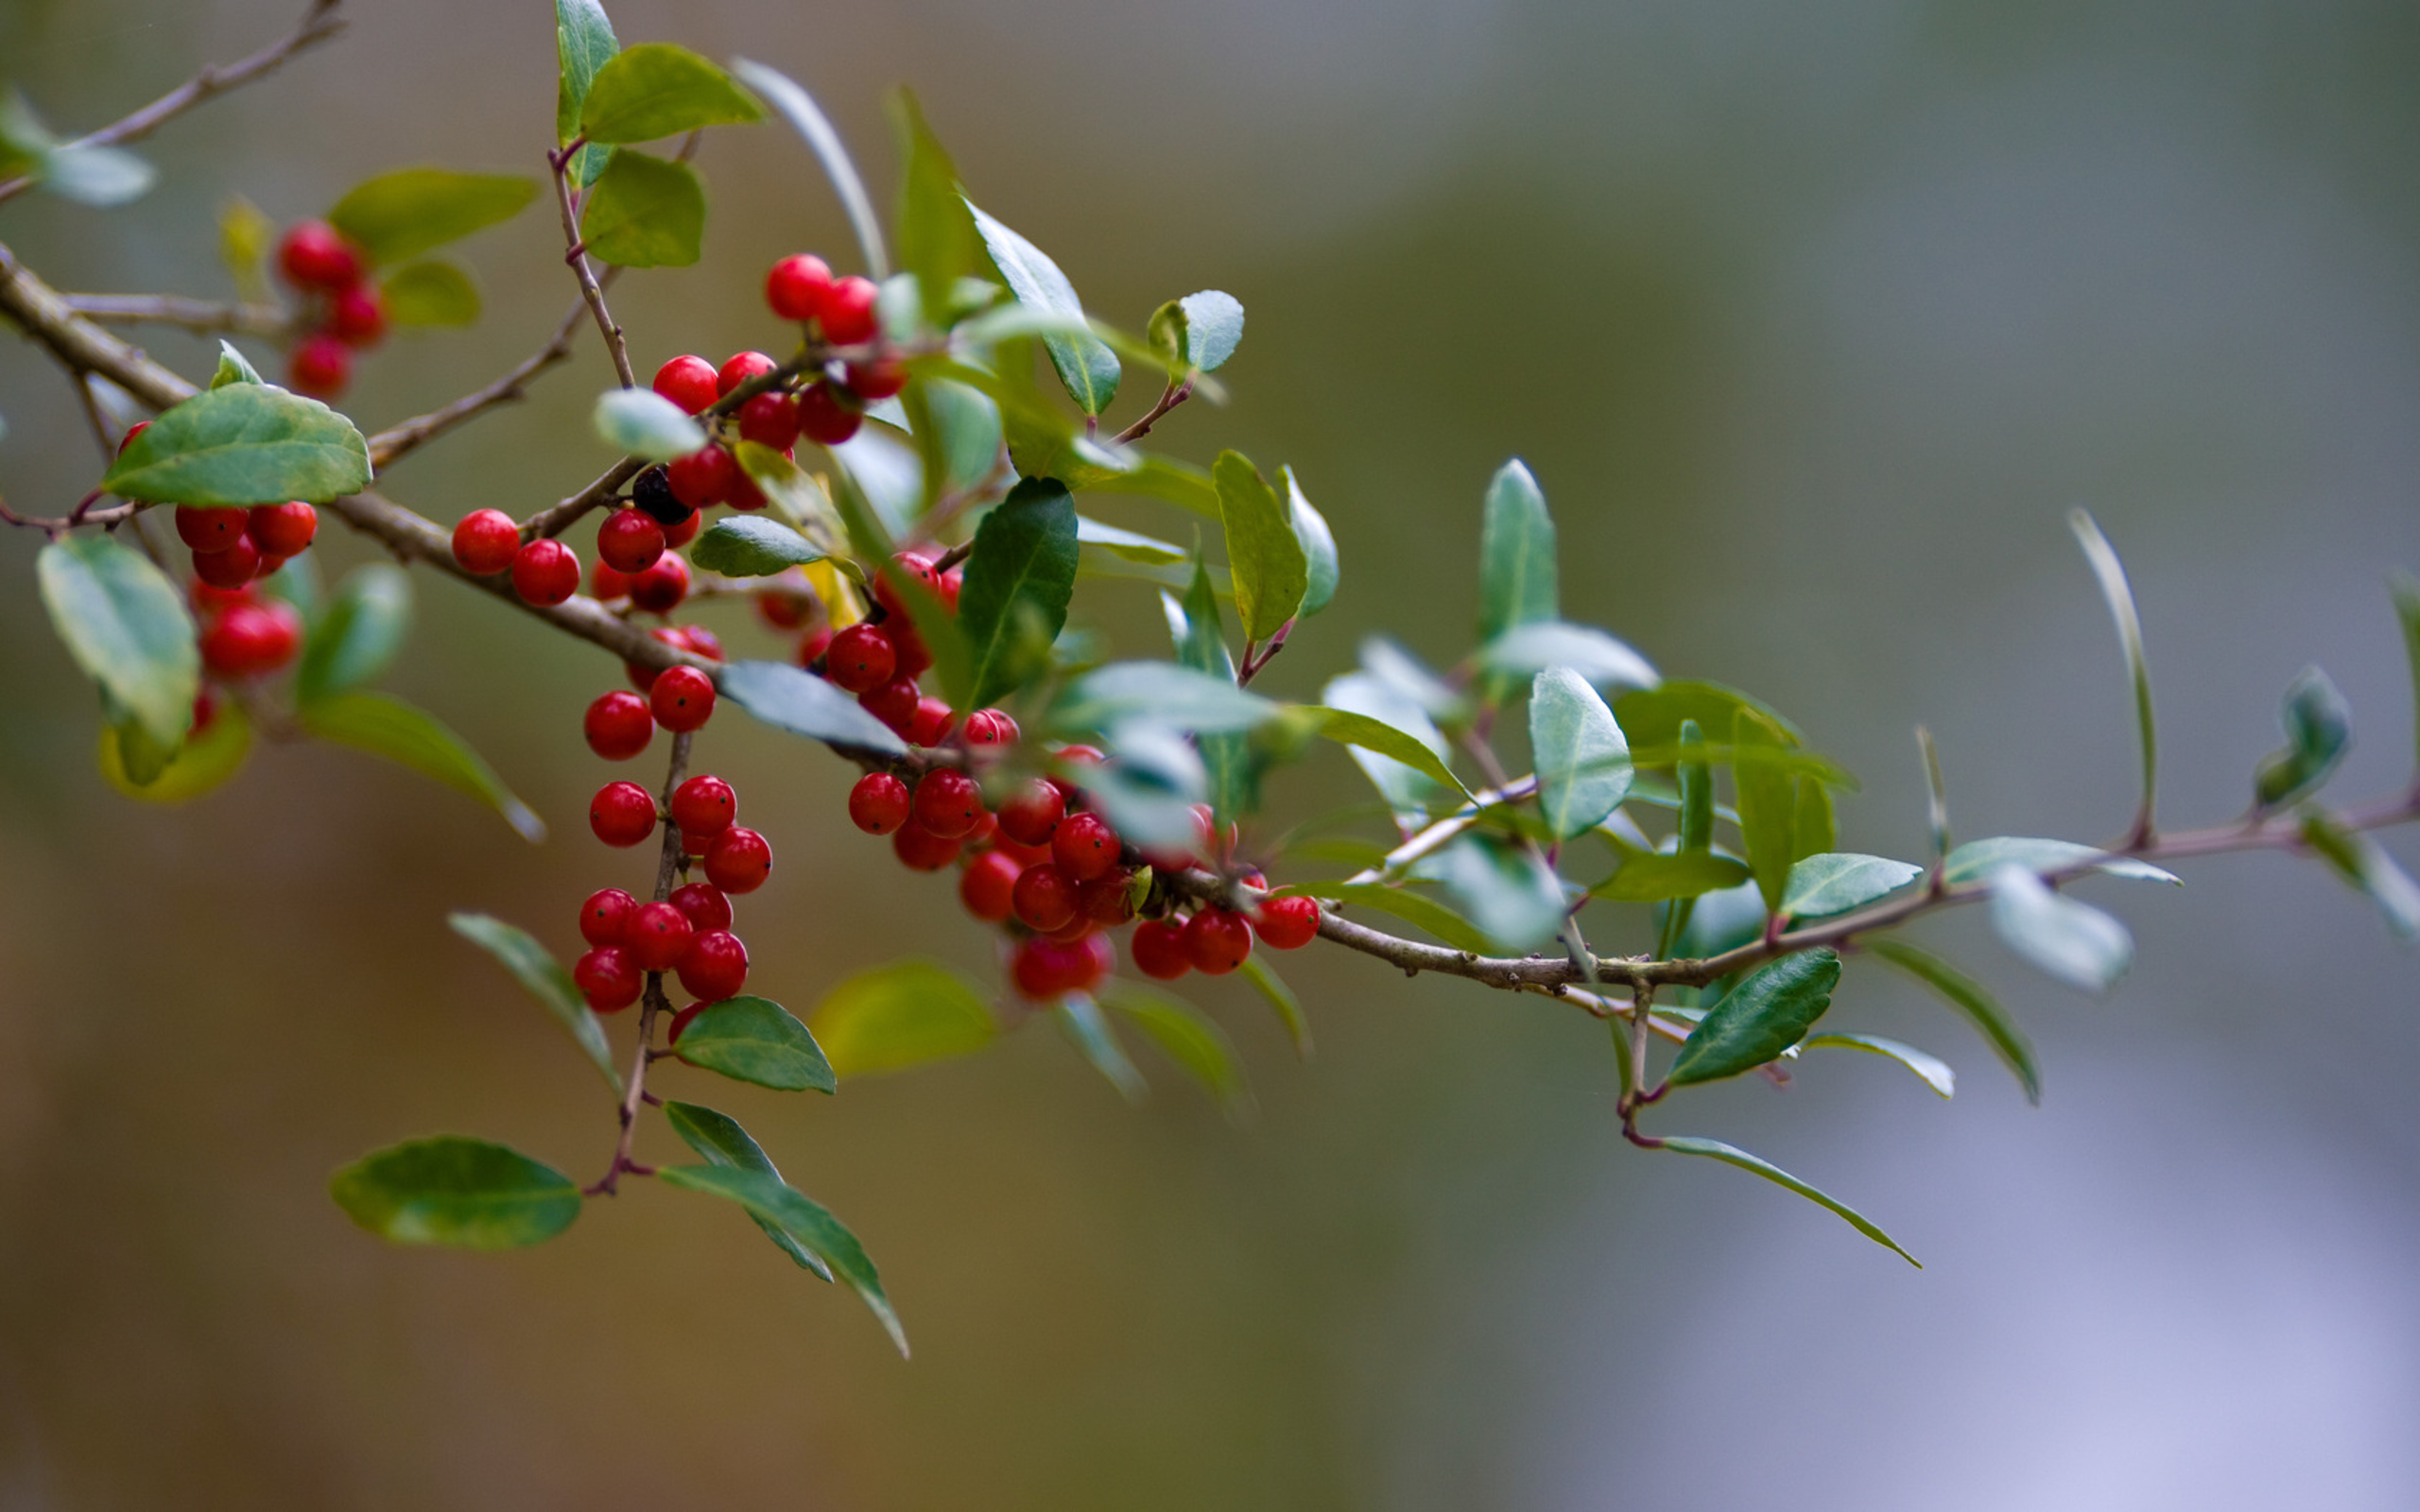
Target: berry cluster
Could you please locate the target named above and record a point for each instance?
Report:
(345, 311)
(243, 635)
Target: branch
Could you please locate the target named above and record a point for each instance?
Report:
(576, 254)
(400, 440)
(1175, 394)
(206, 316)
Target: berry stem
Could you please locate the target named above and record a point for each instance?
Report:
(668, 870)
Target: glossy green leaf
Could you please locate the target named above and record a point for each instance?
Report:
(1186, 1035)
(465, 1193)
(1650, 876)
(1319, 547)
(390, 727)
(934, 227)
(1791, 761)
(234, 367)
(2111, 573)
(2071, 941)
(244, 444)
(1529, 648)
(1505, 890)
(788, 697)
(793, 494)
(1414, 908)
(126, 625)
(1695, 778)
(1263, 979)
(206, 762)
(429, 292)
(1767, 799)
(901, 1015)
(1271, 572)
(2001, 1032)
(1771, 1011)
(1731, 1155)
(1835, 881)
(358, 636)
(1651, 716)
(720, 1140)
(748, 545)
(805, 117)
(1583, 761)
(2319, 729)
(408, 210)
(1019, 579)
(957, 434)
(756, 1040)
(1160, 691)
(2360, 860)
(2405, 590)
(1407, 785)
(1931, 1070)
(645, 212)
(535, 967)
(1517, 564)
(100, 177)
(1200, 643)
(658, 90)
(1812, 831)
(1418, 749)
(583, 43)
(766, 1196)
(1199, 331)
(1126, 544)
(1978, 859)
(1720, 920)
(1086, 367)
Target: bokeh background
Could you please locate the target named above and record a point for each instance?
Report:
(1813, 321)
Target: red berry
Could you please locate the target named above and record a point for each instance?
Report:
(738, 860)
(688, 382)
(622, 814)
(659, 936)
(704, 806)
(320, 367)
(680, 1020)
(921, 850)
(908, 645)
(990, 727)
(357, 316)
(132, 432)
(682, 699)
(1288, 924)
(703, 904)
(696, 845)
(312, 255)
(231, 568)
(988, 886)
(1159, 949)
(745, 495)
(1045, 896)
(661, 588)
(1216, 941)
(879, 379)
(607, 978)
(860, 658)
(797, 285)
(702, 478)
(848, 313)
(608, 584)
(716, 967)
(628, 542)
(281, 529)
(1103, 899)
(618, 726)
(606, 916)
(812, 645)
(210, 600)
(700, 640)
(878, 805)
(250, 639)
(485, 542)
(782, 610)
(824, 418)
(948, 803)
(1031, 813)
(895, 704)
(952, 581)
(210, 527)
(771, 419)
(1084, 846)
(1047, 969)
(914, 565)
(931, 724)
(1071, 758)
(546, 572)
(1024, 855)
(741, 368)
(684, 531)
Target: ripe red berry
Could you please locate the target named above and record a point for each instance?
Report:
(312, 255)
(250, 639)
(320, 366)
(281, 530)
(948, 803)
(848, 314)
(1103, 899)
(357, 316)
(859, 657)
(879, 379)
(913, 565)
(921, 850)
(697, 639)
(797, 285)
(952, 581)
(1045, 896)
(1084, 846)
(780, 609)
(606, 916)
(658, 935)
(1216, 941)
(210, 527)
(618, 726)
(680, 1020)
(622, 814)
(606, 584)
(628, 540)
(703, 904)
(895, 704)
(607, 978)
(771, 419)
(1288, 924)
(738, 860)
(682, 699)
(210, 600)
(704, 806)
(716, 967)
(662, 587)
(908, 645)
(546, 572)
(1047, 969)
(931, 724)
(231, 568)
(1031, 813)
(688, 382)
(1159, 949)
(825, 418)
(742, 367)
(696, 845)
(878, 803)
(485, 542)
(812, 645)
(683, 531)
(702, 478)
(988, 886)
(990, 727)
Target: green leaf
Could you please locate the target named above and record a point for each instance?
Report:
(583, 43)
(2359, 860)
(658, 90)
(747, 545)
(1189, 1037)
(1981, 1009)
(1400, 746)
(1080, 1019)
(1126, 544)
(1405, 785)
(1271, 572)
(1731, 1155)
(754, 1039)
(449, 1190)
(1583, 761)
(1530, 648)
(1085, 365)
(1767, 799)
(1812, 832)
(1148, 787)
(1835, 881)
(1768, 1012)
(905, 1014)
(101, 176)
(789, 698)
(1200, 641)
(1319, 547)
(1516, 567)
(1505, 891)
(798, 108)
(645, 212)
(934, 225)
(1934, 1071)
(1978, 859)
(388, 727)
(2111, 574)
(234, 367)
(139, 767)
(719, 1138)
(244, 444)
(1019, 578)
(1651, 716)
(765, 1196)
(1651, 876)
(535, 967)
(1156, 691)
(2405, 590)
(2319, 729)
(1265, 981)
(1213, 326)
(409, 211)
(357, 638)
(430, 292)
(2073, 942)
(957, 434)
(126, 625)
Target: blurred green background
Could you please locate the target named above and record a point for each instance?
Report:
(1812, 320)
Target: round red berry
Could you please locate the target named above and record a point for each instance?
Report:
(485, 542)
(607, 584)
(702, 478)
(699, 640)
(895, 704)
(908, 645)
(738, 860)
(948, 803)
(860, 658)
(1103, 899)
(703, 904)
(606, 916)
(1045, 896)
(210, 600)
(990, 727)
(683, 531)
(716, 967)
(682, 1019)
(1288, 924)
(771, 419)
(825, 418)
(878, 803)
(682, 699)
(320, 367)
(628, 540)
(546, 572)
(618, 726)
(1047, 969)
(210, 527)
(661, 588)
(742, 367)
(848, 314)
(1084, 846)
(1031, 813)
(797, 285)
(688, 382)
(780, 609)
(250, 639)
(988, 886)
(913, 565)
(312, 255)
(231, 568)
(931, 724)
(357, 316)
(658, 936)
(812, 645)
(622, 814)
(282, 530)
(952, 581)
(1216, 941)
(879, 379)
(607, 978)
(1159, 949)
(921, 850)
(704, 806)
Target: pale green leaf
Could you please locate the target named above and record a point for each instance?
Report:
(535, 967)
(449, 1190)
(390, 727)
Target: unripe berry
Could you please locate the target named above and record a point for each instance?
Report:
(895, 704)
(990, 727)
(1288, 924)
(682, 699)
(605, 584)
(797, 285)
(704, 806)
(703, 904)
(825, 418)
(878, 803)
(771, 419)
(312, 255)
(1216, 941)
(357, 316)
(848, 313)
(546, 572)
(1103, 899)
(988, 886)
(1084, 846)
(738, 860)
(607, 978)
(606, 916)
(661, 588)
(1047, 969)
(1031, 813)
(879, 379)
(1159, 949)
(947, 802)
(618, 726)
(652, 493)
(859, 657)
(1045, 898)
(231, 568)
(742, 367)
(701, 479)
(931, 724)
(320, 367)
(628, 540)
(716, 967)
(621, 813)
(281, 530)
(660, 936)
(688, 382)
(485, 542)
(921, 850)
(250, 639)
(210, 527)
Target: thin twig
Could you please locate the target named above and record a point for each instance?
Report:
(1176, 393)
(205, 317)
(576, 255)
(397, 441)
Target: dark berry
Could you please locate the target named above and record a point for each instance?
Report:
(312, 255)
(281, 530)
(716, 967)
(738, 860)
(618, 726)
(895, 704)
(1216, 941)
(848, 313)
(629, 540)
(988, 886)
(860, 658)
(659, 936)
(231, 568)
(948, 803)
(703, 904)
(1159, 949)
(661, 588)
(651, 492)
(546, 572)
(742, 367)
(921, 850)
(250, 639)
(878, 379)
(878, 803)
(320, 366)
(622, 814)
(688, 382)
(1045, 896)
(210, 527)
(607, 978)
(771, 419)
(357, 316)
(1084, 846)
(606, 916)
(485, 542)
(797, 285)
(825, 418)
(704, 806)
(1288, 924)
(701, 479)
(682, 699)
(990, 727)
